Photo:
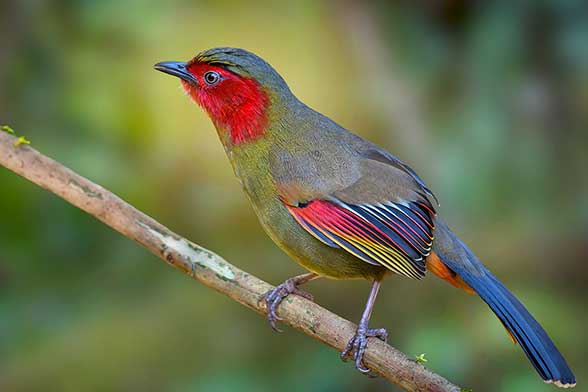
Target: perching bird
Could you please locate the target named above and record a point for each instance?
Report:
(339, 205)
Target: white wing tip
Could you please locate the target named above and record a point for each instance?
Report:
(559, 384)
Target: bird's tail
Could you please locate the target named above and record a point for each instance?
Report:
(532, 338)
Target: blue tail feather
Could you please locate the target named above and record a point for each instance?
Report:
(533, 339)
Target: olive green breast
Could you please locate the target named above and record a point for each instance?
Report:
(251, 163)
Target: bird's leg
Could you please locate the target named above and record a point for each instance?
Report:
(358, 343)
(273, 297)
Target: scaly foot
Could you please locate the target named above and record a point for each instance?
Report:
(274, 297)
(358, 343)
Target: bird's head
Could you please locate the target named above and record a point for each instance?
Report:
(235, 87)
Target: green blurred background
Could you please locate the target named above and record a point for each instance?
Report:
(488, 101)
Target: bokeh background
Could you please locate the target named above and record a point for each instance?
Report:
(488, 101)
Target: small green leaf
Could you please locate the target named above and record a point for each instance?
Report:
(6, 128)
(466, 390)
(421, 358)
(20, 141)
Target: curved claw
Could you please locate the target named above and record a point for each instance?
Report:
(272, 301)
(275, 296)
(358, 344)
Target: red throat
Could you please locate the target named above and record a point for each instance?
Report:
(236, 104)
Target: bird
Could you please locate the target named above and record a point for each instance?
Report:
(339, 205)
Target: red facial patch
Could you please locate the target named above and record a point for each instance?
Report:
(236, 103)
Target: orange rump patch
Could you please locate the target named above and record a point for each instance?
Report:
(436, 266)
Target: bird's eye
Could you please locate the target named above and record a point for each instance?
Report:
(211, 78)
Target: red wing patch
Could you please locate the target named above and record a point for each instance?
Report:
(396, 236)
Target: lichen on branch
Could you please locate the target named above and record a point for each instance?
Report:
(208, 267)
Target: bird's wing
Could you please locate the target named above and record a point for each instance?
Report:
(375, 153)
(385, 217)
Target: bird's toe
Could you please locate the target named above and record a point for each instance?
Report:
(358, 344)
(275, 296)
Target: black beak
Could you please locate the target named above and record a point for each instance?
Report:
(176, 68)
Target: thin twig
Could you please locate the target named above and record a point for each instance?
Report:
(209, 268)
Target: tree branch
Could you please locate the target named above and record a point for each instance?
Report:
(209, 268)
